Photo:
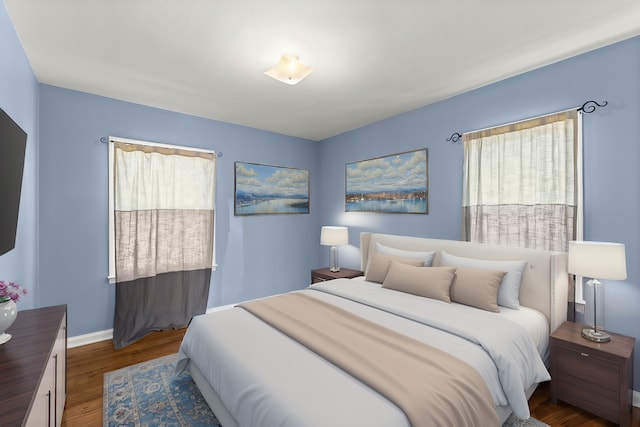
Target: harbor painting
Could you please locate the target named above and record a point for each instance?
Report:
(264, 190)
(392, 184)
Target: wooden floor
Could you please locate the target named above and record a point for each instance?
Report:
(86, 366)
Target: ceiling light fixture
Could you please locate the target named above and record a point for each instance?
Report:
(289, 70)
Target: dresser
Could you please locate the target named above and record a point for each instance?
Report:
(34, 368)
(597, 377)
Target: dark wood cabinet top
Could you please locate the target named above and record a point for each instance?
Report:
(344, 273)
(23, 359)
(620, 345)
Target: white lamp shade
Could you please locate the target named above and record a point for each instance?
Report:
(334, 236)
(597, 260)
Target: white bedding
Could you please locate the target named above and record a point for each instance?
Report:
(265, 379)
(534, 322)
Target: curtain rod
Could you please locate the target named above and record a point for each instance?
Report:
(587, 107)
(105, 140)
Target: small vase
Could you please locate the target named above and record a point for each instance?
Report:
(8, 313)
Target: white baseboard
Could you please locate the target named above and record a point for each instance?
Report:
(90, 338)
(105, 335)
(636, 398)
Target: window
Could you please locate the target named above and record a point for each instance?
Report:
(523, 184)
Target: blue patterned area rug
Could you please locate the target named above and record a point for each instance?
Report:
(149, 395)
(516, 422)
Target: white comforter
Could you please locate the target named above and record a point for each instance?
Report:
(511, 349)
(265, 379)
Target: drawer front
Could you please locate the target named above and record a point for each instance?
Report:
(591, 369)
(318, 279)
(586, 395)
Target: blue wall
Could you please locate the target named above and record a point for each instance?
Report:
(19, 99)
(257, 255)
(611, 157)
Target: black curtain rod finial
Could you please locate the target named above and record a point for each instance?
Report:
(455, 137)
(588, 106)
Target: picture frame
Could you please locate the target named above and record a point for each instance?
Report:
(397, 183)
(270, 190)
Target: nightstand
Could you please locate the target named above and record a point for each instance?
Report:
(324, 274)
(595, 377)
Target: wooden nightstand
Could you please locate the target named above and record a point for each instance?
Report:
(324, 274)
(595, 377)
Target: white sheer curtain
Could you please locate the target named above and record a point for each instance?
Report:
(522, 183)
(164, 210)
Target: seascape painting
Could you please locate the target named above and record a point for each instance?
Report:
(392, 184)
(264, 190)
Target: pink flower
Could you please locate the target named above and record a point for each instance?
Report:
(11, 292)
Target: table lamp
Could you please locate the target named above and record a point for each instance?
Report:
(602, 260)
(334, 236)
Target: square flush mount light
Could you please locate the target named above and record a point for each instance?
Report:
(289, 70)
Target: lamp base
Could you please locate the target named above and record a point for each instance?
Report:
(595, 336)
(333, 262)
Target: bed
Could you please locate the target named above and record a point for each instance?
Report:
(253, 374)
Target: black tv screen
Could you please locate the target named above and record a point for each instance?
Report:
(13, 143)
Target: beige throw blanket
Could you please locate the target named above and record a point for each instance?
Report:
(432, 387)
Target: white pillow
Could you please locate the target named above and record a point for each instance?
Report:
(426, 256)
(509, 292)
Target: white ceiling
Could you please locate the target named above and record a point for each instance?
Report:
(373, 58)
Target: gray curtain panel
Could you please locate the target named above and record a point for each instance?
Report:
(165, 301)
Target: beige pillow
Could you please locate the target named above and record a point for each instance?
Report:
(430, 282)
(477, 288)
(379, 266)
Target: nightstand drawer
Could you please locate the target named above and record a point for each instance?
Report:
(587, 367)
(576, 391)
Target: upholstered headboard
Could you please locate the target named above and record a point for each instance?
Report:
(544, 281)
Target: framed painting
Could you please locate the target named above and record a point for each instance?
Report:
(267, 190)
(392, 184)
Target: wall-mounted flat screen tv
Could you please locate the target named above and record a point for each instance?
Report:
(13, 143)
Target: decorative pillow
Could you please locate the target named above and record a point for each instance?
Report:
(379, 266)
(509, 293)
(432, 282)
(426, 256)
(477, 287)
